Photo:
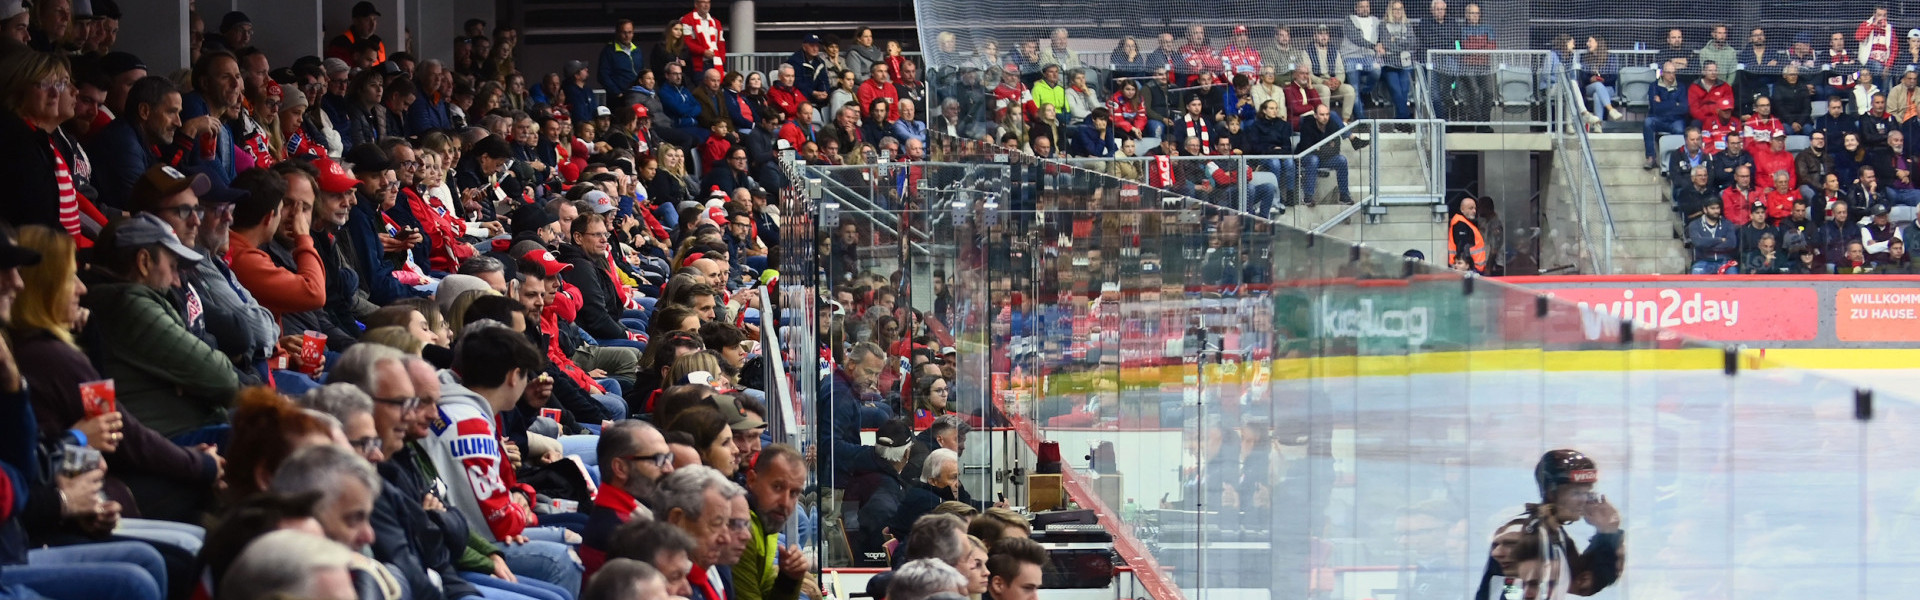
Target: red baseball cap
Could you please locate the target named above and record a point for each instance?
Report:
(546, 260)
(1239, 29)
(333, 178)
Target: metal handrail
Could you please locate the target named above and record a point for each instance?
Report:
(1574, 130)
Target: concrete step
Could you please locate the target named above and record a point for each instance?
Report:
(1638, 211)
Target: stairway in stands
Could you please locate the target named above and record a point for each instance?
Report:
(1646, 241)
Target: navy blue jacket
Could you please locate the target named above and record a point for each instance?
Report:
(425, 114)
(619, 68)
(1089, 142)
(1269, 137)
(369, 259)
(1665, 103)
(840, 442)
(810, 75)
(579, 101)
(681, 106)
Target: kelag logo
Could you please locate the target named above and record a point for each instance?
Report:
(1363, 322)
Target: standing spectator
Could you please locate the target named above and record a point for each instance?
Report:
(1360, 47)
(706, 42)
(580, 103)
(1465, 242)
(1713, 242)
(1878, 50)
(1475, 85)
(620, 61)
(1398, 48)
(1667, 110)
(360, 34)
(1330, 73)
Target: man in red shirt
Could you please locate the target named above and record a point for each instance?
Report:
(785, 97)
(1704, 96)
(878, 85)
(1197, 57)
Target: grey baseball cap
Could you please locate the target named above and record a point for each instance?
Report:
(147, 230)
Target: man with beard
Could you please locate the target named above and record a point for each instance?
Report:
(379, 246)
(767, 570)
(633, 457)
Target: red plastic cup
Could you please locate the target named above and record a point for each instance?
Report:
(313, 349)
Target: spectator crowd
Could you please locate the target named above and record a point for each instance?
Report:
(367, 326)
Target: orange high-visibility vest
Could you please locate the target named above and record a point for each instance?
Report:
(1478, 252)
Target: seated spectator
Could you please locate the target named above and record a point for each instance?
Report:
(1812, 165)
(697, 500)
(1876, 123)
(166, 376)
(626, 579)
(492, 367)
(1868, 192)
(633, 457)
(1837, 122)
(1714, 242)
(658, 543)
(1793, 101)
(151, 476)
(1708, 94)
(1738, 199)
(292, 563)
(926, 579)
(998, 523)
(1698, 193)
(1667, 110)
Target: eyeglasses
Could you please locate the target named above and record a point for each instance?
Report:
(184, 212)
(56, 85)
(737, 524)
(598, 236)
(660, 461)
(365, 445)
(405, 404)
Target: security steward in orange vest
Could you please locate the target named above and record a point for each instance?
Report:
(1466, 242)
(365, 19)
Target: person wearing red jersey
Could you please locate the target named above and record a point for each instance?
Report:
(1877, 48)
(1131, 118)
(1196, 56)
(1762, 126)
(1240, 57)
(705, 39)
(1720, 126)
(492, 367)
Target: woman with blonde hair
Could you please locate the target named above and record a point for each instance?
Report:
(394, 337)
(38, 93)
(704, 361)
(176, 483)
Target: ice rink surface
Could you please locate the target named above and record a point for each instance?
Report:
(1763, 485)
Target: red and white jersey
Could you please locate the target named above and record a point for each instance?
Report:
(469, 437)
(1760, 130)
(703, 35)
(1196, 59)
(1716, 131)
(1006, 97)
(1241, 60)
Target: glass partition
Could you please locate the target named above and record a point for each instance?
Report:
(1253, 408)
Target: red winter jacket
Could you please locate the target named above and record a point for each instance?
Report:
(1703, 103)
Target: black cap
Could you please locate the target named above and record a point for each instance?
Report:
(894, 433)
(115, 63)
(528, 218)
(12, 256)
(365, 9)
(1880, 210)
(367, 158)
(106, 9)
(234, 19)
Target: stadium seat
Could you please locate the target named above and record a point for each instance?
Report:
(1634, 85)
(1669, 143)
(1796, 143)
(1516, 86)
(1819, 108)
